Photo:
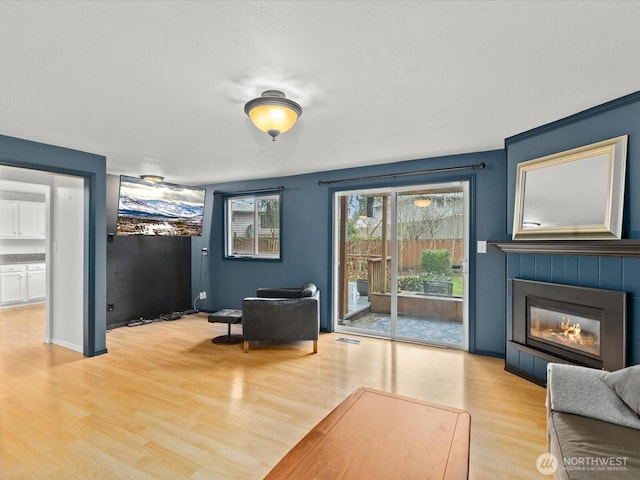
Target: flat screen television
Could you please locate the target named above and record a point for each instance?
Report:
(158, 208)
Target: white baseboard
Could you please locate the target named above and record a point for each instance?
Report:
(70, 346)
(23, 304)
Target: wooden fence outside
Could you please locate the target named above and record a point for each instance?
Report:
(265, 245)
(410, 250)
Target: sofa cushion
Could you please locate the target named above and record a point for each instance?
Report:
(626, 383)
(279, 293)
(578, 442)
(582, 391)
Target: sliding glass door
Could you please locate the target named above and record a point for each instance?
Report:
(400, 263)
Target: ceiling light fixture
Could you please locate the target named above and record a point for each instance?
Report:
(152, 178)
(422, 202)
(273, 113)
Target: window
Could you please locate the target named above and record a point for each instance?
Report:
(269, 221)
(243, 214)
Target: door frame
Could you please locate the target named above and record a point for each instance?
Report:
(16, 152)
(467, 183)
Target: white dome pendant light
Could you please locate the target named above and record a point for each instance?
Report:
(273, 113)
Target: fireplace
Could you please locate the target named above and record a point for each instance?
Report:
(570, 324)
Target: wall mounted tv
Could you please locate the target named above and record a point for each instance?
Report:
(158, 208)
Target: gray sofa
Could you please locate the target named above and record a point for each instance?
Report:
(282, 315)
(593, 424)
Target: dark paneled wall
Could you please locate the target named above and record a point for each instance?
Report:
(146, 276)
(307, 210)
(619, 117)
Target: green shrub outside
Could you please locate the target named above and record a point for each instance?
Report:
(437, 268)
(436, 262)
(415, 283)
(412, 283)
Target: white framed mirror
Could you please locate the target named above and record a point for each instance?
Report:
(576, 194)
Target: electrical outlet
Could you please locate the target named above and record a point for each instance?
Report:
(204, 252)
(203, 295)
(110, 307)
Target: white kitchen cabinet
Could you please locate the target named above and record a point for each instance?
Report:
(31, 220)
(25, 220)
(36, 281)
(8, 219)
(23, 283)
(13, 285)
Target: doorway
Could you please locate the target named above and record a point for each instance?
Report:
(400, 263)
(62, 247)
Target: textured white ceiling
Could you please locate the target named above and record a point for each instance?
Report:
(159, 87)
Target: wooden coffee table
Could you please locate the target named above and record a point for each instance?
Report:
(374, 434)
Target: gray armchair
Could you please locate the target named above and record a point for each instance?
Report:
(282, 315)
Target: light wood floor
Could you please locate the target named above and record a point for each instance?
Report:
(167, 403)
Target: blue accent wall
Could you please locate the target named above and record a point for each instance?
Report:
(615, 118)
(307, 244)
(38, 156)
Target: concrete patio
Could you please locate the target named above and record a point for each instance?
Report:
(421, 317)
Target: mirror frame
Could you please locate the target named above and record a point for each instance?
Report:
(615, 150)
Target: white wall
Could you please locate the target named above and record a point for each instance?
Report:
(67, 262)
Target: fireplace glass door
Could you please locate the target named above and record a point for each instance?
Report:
(566, 330)
(569, 324)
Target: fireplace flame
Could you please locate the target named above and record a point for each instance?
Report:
(564, 329)
(570, 333)
(570, 329)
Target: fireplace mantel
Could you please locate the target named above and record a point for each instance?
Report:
(600, 248)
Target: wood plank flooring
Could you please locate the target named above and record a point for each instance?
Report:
(167, 403)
